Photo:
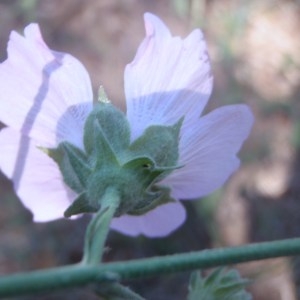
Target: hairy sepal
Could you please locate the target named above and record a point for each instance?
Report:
(109, 160)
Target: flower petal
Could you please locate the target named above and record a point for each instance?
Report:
(159, 222)
(42, 86)
(36, 177)
(208, 151)
(168, 78)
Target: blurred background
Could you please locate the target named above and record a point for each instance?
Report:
(255, 53)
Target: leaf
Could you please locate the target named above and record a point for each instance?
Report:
(218, 285)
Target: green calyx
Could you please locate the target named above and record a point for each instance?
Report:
(110, 160)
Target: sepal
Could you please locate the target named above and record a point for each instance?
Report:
(157, 196)
(73, 164)
(108, 160)
(106, 123)
(80, 205)
(160, 143)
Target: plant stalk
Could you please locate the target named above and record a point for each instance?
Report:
(80, 275)
(98, 228)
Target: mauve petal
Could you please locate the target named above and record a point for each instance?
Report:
(169, 78)
(36, 177)
(159, 222)
(39, 87)
(208, 151)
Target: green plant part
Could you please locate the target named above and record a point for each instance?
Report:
(219, 285)
(109, 159)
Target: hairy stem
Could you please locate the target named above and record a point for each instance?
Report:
(79, 275)
(98, 228)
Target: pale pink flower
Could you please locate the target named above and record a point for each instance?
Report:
(46, 96)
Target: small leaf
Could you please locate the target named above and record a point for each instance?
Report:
(219, 285)
(195, 281)
(214, 277)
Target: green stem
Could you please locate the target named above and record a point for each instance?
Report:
(79, 275)
(98, 228)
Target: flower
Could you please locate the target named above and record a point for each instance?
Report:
(46, 97)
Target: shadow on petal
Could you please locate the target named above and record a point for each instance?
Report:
(30, 118)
